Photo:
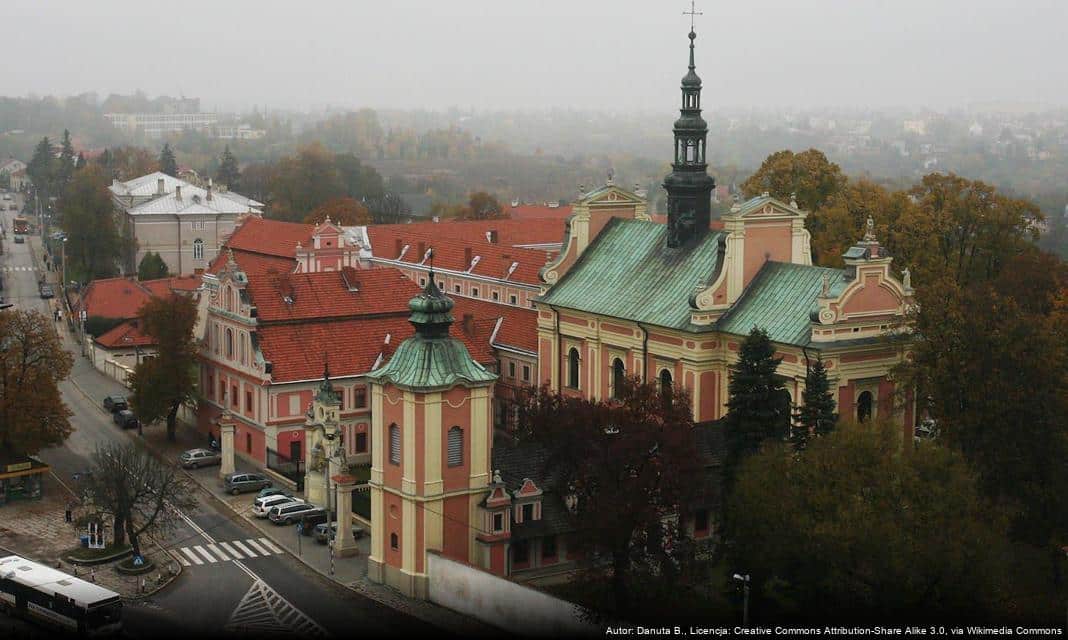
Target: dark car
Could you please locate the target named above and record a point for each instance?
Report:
(115, 403)
(273, 491)
(309, 521)
(236, 483)
(125, 419)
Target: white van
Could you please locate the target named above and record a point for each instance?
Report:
(261, 506)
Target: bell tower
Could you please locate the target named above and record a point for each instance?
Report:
(689, 187)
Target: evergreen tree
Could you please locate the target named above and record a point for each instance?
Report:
(81, 161)
(816, 415)
(65, 168)
(152, 267)
(757, 408)
(42, 169)
(228, 173)
(167, 162)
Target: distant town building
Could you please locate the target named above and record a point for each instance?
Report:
(919, 127)
(157, 125)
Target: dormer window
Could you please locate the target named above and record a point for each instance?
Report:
(528, 512)
(498, 522)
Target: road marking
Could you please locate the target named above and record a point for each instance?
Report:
(263, 610)
(192, 556)
(219, 552)
(267, 543)
(248, 552)
(185, 563)
(232, 551)
(252, 543)
(204, 553)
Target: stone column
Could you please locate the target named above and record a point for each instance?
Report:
(226, 445)
(344, 545)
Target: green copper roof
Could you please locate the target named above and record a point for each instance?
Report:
(629, 272)
(431, 359)
(779, 300)
(424, 364)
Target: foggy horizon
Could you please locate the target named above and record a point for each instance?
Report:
(626, 55)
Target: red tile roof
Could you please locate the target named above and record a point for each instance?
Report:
(495, 260)
(253, 264)
(330, 294)
(127, 334)
(519, 329)
(538, 211)
(510, 233)
(177, 284)
(269, 237)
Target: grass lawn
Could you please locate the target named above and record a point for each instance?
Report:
(82, 554)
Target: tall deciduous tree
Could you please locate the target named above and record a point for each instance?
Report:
(342, 211)
(758, 406)
(42, 169)
(815, 416)
(228, 174)
(137, 492)
(32, 362)
(167, 162)
(808, 175)
(93, 241)
(152, 267)
(629, 465)
(162, 384)
(857, 525)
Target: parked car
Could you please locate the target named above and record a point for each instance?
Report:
(273, 491)
(125, 419)
(115, 403)
(290, 513)
(327, 532)
(262, 506)
(196, 458)
(236, 483)
(46, 292)
(309, 521)
(19, 239)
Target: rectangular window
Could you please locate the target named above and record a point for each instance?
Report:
(456, 447)
(394, 444)
(211, 387)
(548, 547)
(248, 442)
(511, 369)
(513, 299)
(294, 405)
(498, 522)
(474, 291)
(521, 552)
(222, 391)
(248, 402)
(422, 282)
(233, 395)
(361, 442)
(528, 512)
(496, 296)
(456, 288)
(359, 397)
(526, 373)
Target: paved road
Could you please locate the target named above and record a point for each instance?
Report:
(261, 594)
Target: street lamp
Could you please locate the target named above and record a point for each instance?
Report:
(745, 597)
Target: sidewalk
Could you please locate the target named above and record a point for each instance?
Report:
(350, 572)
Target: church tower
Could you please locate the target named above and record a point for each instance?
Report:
(689, 187)
(431, 441)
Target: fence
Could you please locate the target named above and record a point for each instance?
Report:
(286, 466)
(503, 603)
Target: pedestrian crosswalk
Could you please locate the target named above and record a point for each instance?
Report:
(19, 268)
(226, 551)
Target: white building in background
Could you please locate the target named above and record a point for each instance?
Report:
(157, 125)
(237, 132)
(185, 224)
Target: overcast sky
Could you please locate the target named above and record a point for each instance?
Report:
(620, 54)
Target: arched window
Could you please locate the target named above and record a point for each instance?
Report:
(229, 343)
(618, 373)
(456, 447)
(665, 386)
(394, 444)
(864, 404)
(691, 151)
(393, 541)
(198, 249)
(244, 359)
(573, 368)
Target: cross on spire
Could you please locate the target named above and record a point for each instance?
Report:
(693, 12)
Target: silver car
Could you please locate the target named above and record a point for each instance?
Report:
(236, 483)
(196, 458)
(260, 506)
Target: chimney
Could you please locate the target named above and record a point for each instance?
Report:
(209, 190)
(469, 324)
(493, 236)
(178, 192)
(159, 186)
(398, 244)
(467, 257)
(422, 250)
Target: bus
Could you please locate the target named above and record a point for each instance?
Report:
(49, 596)
(21, 225)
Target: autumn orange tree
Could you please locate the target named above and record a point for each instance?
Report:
(32, 362)
(160, 385)
(342, 211)
(629, 464)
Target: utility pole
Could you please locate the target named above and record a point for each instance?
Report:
(745, 597)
